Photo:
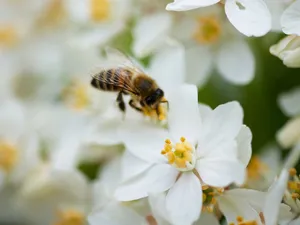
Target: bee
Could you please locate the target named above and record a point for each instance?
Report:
(128, 79)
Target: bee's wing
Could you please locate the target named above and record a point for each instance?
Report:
(114, 55)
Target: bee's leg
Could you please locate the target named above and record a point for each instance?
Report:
(157, 110)
(121, 102)
(131, 103)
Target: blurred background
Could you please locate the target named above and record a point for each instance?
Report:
(57, 133)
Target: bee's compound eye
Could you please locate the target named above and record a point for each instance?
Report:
(153, 98)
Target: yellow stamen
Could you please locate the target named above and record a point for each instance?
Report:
(255, 168)
(295, 195)
(239, 219)
(8, 156)
(76, 95)
(53, 14)
(293, 185)
(8, 36)
(203, 197)
(293, 172)
(180, 154)
(100, 10)
(208, 31)
(70, 217)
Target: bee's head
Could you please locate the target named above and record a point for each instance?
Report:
(154, 97)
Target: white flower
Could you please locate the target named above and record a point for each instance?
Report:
(289, 134)
(290, 20)
(273, 210)
(288, 50)
(252, 18)
(263, 168)
(211, 41)
(18, 143)
(201, 149)
(146, 38)
(106, 209)
(56, 184)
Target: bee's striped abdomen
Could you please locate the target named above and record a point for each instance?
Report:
(108, 80)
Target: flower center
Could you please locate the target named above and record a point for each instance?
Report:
(255, 168)
(208, 30)
(240, 221)
(8, 156)
(181, 155)
(53, 14)
(209, 197)
(100, 10)
(8, 36)
(76, 96)
(70, 217)
(294, 184)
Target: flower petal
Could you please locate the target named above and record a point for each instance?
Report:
(274, 198)
(184, 117)
(184, 5)
(198, 73)
(233, 208)
(184, 200)
(158, 207)
(219, 172)
(236, 63)
(289, 134)
(157, 179)
(167, 67)
(222, 125)
(244, 139)
(290, 19)
(253, 197)
(145, 145)
(150, 32)
(289, 102)
(115, 214)
(133, 166)
(251, 18)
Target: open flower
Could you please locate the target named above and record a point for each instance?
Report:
(212, 41)
(252, 18)
(197, 149)
(274, 211)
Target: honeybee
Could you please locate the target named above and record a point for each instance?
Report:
(128, 79)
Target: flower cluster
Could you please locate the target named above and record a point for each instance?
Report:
(70, 156)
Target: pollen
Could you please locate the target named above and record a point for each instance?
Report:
(8, 36)
(180, 154)
(256, 168)
(76, 96)
(240, 221)
(100, 10)
(208, 30)
(70, 217)
(8, 156)
(293, 172)
(210, 200)
(158, 115)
